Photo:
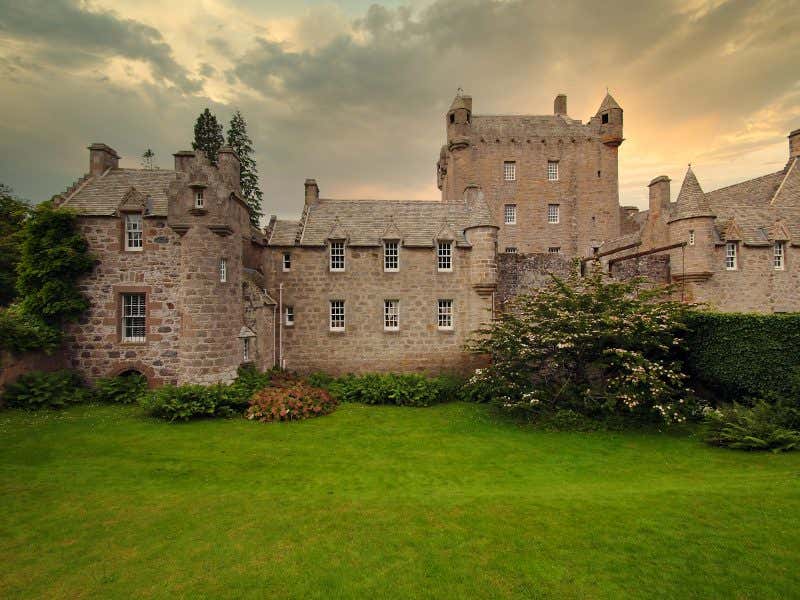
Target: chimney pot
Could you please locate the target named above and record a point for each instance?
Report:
(560, 105)
(312, 191)
(659, 197)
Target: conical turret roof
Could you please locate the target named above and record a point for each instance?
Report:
(608, 103)
(691, 201)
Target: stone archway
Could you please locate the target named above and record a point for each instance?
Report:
(128, 368)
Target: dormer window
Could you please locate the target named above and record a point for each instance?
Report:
(337, 256)
(391, 256)
(604, 118)
(133, 232)
(199, 200)
(444, 255)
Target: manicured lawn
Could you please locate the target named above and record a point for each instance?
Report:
(374, 502)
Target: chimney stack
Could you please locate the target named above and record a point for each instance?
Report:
(659, 197)
(560, 105)
(229, 168)
(312, 191)
(183, 159)
(794, 144)
(101, 158)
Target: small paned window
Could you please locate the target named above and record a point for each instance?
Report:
(287, 261)
(391, 256)
(730, 256)
(554, 250)
(337, 256)
(511, 249)
(444, 256)
(445, 314)
(511, 214)
(337, 315)
(223, 270)
(391, 315)
(778, 256)
(553, 213)
(134, 316)
(246, 349)
(691, 237)
(510, 170)
(199, 200)
(289, 312)
(604, 118)
(552, 170)
(133, 232)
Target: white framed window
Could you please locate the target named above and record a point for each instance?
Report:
(444, 316)
(246, 349)
(511, 214)
(134, 316)
(391, 256)
(778, 256)
(337, 315)
(337, 256)
(288, 312)
(199, 199)
(511, 249)
(691, 237)
(730, 256)
(444, 256)
(133, 232)
(553, 213)
(391, 315)
(554, 250)
(510, 170)
(287, 261)
(223, 270)
(552, 170)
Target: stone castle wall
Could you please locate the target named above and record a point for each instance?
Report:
(655, 267)
(522, 273)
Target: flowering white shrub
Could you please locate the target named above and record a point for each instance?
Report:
(590, 344)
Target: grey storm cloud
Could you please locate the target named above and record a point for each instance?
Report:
(70, 34)
(360, 106)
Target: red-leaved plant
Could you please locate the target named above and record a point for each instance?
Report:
(292, 401)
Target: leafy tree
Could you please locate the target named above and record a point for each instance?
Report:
(243, 146)
(148, 159)
(13, 212)
(593, 345)
(208, 135)
(54, 256)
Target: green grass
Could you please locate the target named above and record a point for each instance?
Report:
(385, 502)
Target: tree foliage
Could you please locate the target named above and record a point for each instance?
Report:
(208, 135)
(148, 160)
(13, 213)
(240, 141)
(54, 256)
(593, 345)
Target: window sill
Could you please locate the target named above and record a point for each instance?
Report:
(336, 331)
(444, 270)
(391, 270)
(336, 270)
(391, 330)
(132, 343)
(133, 249)
(445, 329)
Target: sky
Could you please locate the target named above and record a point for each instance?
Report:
(354, 93)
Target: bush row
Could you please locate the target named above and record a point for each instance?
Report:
(406, 389)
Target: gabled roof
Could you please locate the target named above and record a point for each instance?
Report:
(102, 195)
(366, 222)
(691, 200)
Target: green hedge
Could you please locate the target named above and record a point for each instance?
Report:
(734, 356)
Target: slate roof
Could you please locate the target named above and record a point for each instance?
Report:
(691, 200)
(103, 194)
(608, 103)
(365, 222)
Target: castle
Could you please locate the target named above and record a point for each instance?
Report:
(186, 290)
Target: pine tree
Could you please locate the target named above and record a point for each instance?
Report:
(208, 135)
(243, 146)
(148, 159)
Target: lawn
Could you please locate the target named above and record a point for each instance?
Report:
(385, 502)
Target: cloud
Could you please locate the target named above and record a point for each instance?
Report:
(359, 102)
(66, 33)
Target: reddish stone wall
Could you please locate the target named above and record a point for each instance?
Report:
(13, 365)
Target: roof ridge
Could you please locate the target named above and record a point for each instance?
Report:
(783, 181)
(725, 187)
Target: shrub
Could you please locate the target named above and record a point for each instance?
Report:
(406, 389)
(181, 403)
(38, 389)
(763, 426)
(734, 356)
(22, 333)
(123, 389)
(594, 345)
(291, 402)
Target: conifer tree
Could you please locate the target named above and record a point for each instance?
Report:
(208, 135)
(148, 159)
(243, 146)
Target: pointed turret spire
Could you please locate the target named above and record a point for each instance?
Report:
(691, 200)
(608, 103)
